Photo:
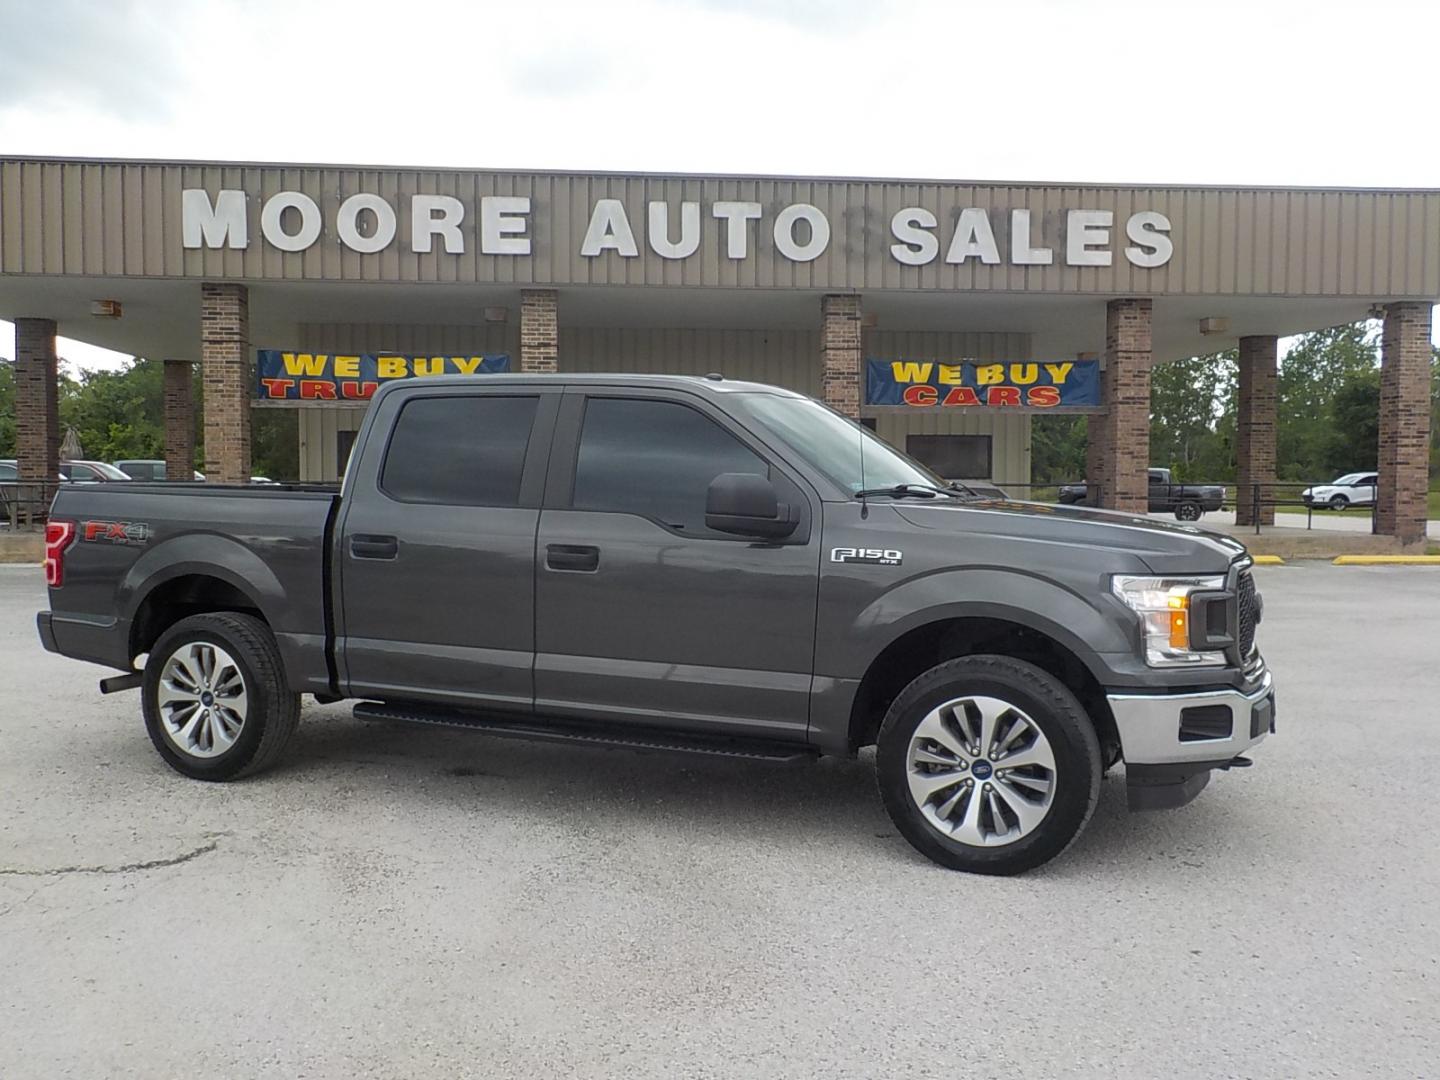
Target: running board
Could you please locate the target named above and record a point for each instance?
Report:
(623, 738)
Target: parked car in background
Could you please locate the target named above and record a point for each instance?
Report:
(69, 471)
(91, 472)
(1188, 502)
(1352, 489)
(147, 469)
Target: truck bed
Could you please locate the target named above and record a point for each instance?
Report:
(264, 547)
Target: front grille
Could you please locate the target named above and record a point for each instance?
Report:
(1249, 603)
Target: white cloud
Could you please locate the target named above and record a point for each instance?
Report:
(1257, 93)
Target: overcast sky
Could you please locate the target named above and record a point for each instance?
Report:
(1313, 93)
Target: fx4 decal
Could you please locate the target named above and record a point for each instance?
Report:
(875, 556)
(115, 532)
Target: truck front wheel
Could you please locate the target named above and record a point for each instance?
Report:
(988, 764)
(214, 697)
(1189, 511)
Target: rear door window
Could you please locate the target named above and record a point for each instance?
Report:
(459, 450)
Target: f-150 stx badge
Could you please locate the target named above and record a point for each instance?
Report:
(876, 556)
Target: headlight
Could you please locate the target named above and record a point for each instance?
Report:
(1163, 604)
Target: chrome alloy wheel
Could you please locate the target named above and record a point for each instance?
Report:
(981, 771)
(202, 699)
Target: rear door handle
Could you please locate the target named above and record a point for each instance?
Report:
(363, 546)
(579, 557)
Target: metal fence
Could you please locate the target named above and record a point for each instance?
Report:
(25, 504)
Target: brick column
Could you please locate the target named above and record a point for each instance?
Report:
(840, 352)
(37, 406)
(1255, 429)
(1125, 392)
(539, 330)
(179, 420)
(225, 367)
(1404, 422)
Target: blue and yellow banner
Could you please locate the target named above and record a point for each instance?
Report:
(995, 384)
(297, 376)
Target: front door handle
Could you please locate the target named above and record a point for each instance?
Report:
(579, 557)
(364, 546)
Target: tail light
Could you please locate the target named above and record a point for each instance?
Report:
(59, 535)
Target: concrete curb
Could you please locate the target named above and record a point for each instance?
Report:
(1387, 560)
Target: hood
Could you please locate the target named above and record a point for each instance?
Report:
(1163, 546)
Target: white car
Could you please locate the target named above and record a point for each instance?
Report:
(1352, 489)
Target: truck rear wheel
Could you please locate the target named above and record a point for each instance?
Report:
(988, 764)
(214, 697)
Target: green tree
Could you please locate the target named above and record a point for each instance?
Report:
(1192, 416)
(1354, 441)
(1312, 375)
(7, 409)
(1057, 448)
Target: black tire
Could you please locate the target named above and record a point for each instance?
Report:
(272, 709)
(1339, 502)
(1189, 511)
(1049, 705)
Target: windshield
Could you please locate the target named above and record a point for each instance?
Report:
(832, 444)
(110, 472)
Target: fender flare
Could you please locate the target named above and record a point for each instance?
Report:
(1027, 600)
(201, 555)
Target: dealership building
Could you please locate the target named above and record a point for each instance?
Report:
(945, 314)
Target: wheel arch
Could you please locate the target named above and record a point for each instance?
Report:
(193, 575)
(983, 629)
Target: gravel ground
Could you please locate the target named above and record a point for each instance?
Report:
(410, 903)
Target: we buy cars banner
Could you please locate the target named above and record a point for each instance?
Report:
(297, 376)
(993, 384)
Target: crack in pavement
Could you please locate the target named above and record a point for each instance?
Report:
(127, 868)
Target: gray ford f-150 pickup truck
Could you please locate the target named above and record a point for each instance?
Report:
(678, 563)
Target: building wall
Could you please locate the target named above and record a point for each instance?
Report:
(789, 358)
(123, 218)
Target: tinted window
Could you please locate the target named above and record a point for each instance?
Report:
(656, 459)
(460, 451)
(8, 472)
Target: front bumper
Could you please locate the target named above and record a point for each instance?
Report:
(1170, 742)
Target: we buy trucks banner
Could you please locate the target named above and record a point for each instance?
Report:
(297, 376)
(1025, 384)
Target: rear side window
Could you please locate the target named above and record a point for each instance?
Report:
(459, 451)
(8, 472)
(655, 459)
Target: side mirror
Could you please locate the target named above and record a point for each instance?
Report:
(746, 504)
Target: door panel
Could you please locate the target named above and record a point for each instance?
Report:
(451, 615)
(675, 630)
(436, 573)
(644, 615)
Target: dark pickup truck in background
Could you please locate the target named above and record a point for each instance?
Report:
(1188, 502)
(678, 563)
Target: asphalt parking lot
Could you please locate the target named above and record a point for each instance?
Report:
(407, 903)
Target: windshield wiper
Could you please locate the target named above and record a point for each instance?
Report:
(902, 491)
(964, 489)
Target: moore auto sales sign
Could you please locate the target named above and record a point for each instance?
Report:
(505, 225)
